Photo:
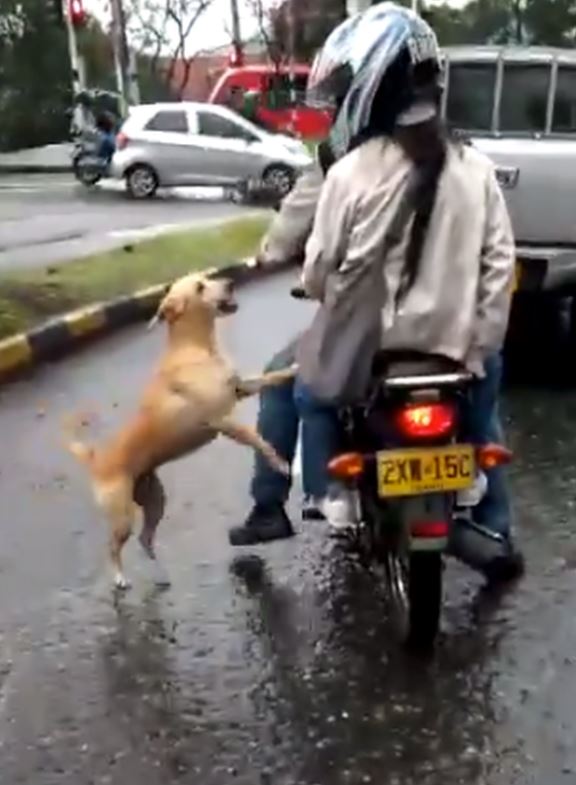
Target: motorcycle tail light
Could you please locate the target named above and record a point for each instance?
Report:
(347, 466)
(492, 455)
(429, 529)
(121, 141)
(426, 421)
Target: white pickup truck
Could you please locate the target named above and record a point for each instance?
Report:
(518, 105)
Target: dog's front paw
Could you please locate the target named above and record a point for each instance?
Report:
(121, 582)
(283, 467)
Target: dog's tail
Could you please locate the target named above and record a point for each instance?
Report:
(84, 453)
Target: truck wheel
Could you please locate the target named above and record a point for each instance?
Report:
(141, 182)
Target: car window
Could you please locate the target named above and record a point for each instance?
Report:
(471, 89)
(524, 97)
(564, 120)
(210, 124)
(174, 121)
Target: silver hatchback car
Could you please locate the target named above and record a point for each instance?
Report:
(187, 144)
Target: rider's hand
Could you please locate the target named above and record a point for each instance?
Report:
(475, 363)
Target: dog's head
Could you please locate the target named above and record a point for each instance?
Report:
(195, 295)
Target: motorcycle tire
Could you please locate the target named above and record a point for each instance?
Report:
(87, 177)
(424, 599)
(415, 589)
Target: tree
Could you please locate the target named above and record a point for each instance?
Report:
(551, 22)
(96, 48)
(161, 31)
(490, 21)
(295, 27)
(276, 46)
(304, 25)
(447, 22)
(32, 42)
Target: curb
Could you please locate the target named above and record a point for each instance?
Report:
(66, 333)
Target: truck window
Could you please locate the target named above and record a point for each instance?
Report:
(278, 93)
(524, 97)
(471, 95)
(564, 120)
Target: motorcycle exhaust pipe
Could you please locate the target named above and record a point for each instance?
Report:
(475, 545)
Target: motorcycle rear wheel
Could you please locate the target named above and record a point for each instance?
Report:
(86, 176)
(415, 588)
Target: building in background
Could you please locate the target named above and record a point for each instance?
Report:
(208, 66)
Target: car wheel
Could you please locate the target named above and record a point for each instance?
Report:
(279, 179)
(141, 182)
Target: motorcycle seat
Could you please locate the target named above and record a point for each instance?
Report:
(393, 365)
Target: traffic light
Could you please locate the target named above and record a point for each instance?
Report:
(76, 12)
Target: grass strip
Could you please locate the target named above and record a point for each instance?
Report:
(33, 296)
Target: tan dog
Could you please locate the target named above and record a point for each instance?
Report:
(188, 402)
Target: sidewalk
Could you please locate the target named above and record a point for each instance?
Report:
(37, 160)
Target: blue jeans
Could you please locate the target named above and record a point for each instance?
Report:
(484, 426)
(107, 146)
(278, 422)
(282, 407)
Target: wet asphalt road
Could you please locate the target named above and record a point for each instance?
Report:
(51, 218)
(277, 667)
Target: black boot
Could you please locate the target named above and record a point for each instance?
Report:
(265, 523)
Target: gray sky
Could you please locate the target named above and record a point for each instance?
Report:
(212, 29)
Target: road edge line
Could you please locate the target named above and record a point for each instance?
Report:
(66, 333)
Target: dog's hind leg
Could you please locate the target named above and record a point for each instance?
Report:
(251, 438)
(116, 501)
(149, 494)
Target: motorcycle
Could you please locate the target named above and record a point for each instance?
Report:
(416, 479)
(88, 166)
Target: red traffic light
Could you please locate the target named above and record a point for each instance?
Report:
(76, 12)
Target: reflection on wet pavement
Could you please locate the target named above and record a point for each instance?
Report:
(277, 665)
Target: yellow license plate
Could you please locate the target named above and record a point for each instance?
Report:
(431, 470)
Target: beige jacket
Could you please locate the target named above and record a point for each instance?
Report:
(291, 227)
(459, 303)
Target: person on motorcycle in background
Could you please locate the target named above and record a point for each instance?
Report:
(106, 126)
(386, 57)
(83, 120)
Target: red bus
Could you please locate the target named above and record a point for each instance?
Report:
(276, 108)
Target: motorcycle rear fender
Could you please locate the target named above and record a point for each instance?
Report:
(426, 521)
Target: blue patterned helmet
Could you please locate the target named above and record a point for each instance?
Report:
(349, 69)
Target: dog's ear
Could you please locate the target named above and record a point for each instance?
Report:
(170, 309)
